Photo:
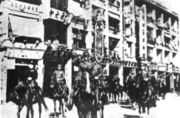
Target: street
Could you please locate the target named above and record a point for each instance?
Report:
(168, 108)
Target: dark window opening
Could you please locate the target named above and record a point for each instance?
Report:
(114, 25)
(79, 37)
(167, 41)
(113, 43)
(150, 36)
(55, 30)
(59, 4)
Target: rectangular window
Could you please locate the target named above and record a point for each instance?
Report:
(55, 30)
(59, 4)
(79, 37)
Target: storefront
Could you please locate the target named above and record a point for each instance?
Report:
(51, 59)
(16, 64)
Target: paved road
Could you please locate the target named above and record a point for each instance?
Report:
(168, 108)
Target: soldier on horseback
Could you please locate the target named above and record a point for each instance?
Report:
(31, 76)
(59, 77)
(59, 87)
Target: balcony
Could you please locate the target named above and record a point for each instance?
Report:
(159, 41)
(150, 54)
(99, 3)
(114, 6)
(24, 7)
(128, 11)
(151, 22)
(159, 23)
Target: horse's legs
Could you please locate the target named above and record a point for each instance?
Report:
(28, 108)
(101, 111)
(40, 109)
(42, 100)
(148, 109)
(60, 107)
(32, 111)
(139, 108)
(19, 110)
(54, 101)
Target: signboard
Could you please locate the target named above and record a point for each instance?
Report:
(60, 16)
(99, 37)
(99, 47)
(23, 53)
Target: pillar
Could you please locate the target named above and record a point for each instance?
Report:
(68, 74)
(120, 74)
(40, 73)
(68, 66)
(3, 81)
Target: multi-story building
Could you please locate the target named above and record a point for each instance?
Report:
(127, 29)
(21, 39)
(157, 36)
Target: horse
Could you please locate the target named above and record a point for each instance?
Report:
(25, 95)
(147, 95)
(95, 72)
(116, 88)
(132, 89)
(59, 92)
(83, 100)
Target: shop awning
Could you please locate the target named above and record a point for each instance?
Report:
(27, 27)
(61, 54)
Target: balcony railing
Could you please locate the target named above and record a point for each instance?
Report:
(114, 6)
(150, 21)
(114, 29)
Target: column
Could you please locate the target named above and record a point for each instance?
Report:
(3, 81)
(68, 74)
(68, 66)
(120, 74)
(40, 73)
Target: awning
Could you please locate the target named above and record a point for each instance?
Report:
(27, 27)
(60, 55)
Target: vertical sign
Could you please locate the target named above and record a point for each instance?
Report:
(99, 37)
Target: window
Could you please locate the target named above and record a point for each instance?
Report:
(59, 4)
(55, 30)
(143, 40)
(79, 37)
(129, 49)
(144, 56)
(114, 25)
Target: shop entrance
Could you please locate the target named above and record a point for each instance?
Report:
(50, 66)
(113, 71)
(126, 72)
(13, 77)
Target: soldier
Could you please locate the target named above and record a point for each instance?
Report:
(59, 77)
(31, 78)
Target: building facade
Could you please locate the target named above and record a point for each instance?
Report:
(116, 31)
